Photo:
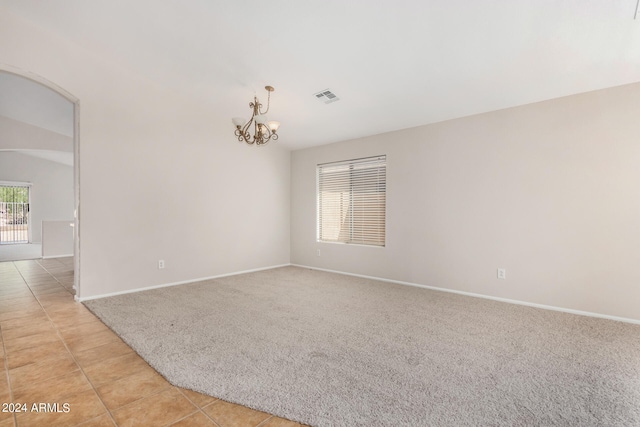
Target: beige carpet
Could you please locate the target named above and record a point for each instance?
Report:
(333, 350)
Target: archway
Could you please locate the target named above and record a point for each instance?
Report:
(76, 162)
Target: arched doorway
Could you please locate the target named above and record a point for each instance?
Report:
(39, 80)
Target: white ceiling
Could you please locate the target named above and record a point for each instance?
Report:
(29, 102)
(394, 64)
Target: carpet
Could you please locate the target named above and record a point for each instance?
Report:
(332, 350)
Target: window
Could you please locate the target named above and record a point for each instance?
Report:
(352, 201)
(14, 213)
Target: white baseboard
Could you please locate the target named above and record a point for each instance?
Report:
(166, 285)
(471, 294)
(57, 256)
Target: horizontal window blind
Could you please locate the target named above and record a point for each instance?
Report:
(352, 201)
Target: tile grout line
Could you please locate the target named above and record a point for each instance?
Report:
(55, 325)
(6, 358)
(265, 421)
(135, 401)
(200, 408)
(6, 372)
(184, 418)
(52, 275)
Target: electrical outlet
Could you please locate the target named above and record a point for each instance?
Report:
(318, 252)
(160, 264)
(502, 273)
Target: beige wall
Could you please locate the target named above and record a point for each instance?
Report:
(57, 239)
(549, 191)
(161, 175)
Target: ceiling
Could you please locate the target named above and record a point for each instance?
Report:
(24, 100)
(29, 102)
(393, 64)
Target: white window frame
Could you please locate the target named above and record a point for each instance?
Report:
(351, 201)
(30, 186)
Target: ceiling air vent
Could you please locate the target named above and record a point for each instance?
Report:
(326, 96)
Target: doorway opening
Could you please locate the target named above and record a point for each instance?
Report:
(61, 147)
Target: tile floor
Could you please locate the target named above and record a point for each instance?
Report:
(54, 351)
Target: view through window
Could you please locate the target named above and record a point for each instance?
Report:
(14, 214)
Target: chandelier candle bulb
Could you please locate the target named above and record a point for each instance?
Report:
(263, 131)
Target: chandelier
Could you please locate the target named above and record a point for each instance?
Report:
(263, 131)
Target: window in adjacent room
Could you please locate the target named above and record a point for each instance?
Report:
(352, 201)
(14, 213)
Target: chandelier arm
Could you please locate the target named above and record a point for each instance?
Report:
(272, 136)
(242, 135)
(267, 133)
(245, 128)
(263, 133)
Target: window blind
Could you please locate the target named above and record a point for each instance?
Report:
(352, 201)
